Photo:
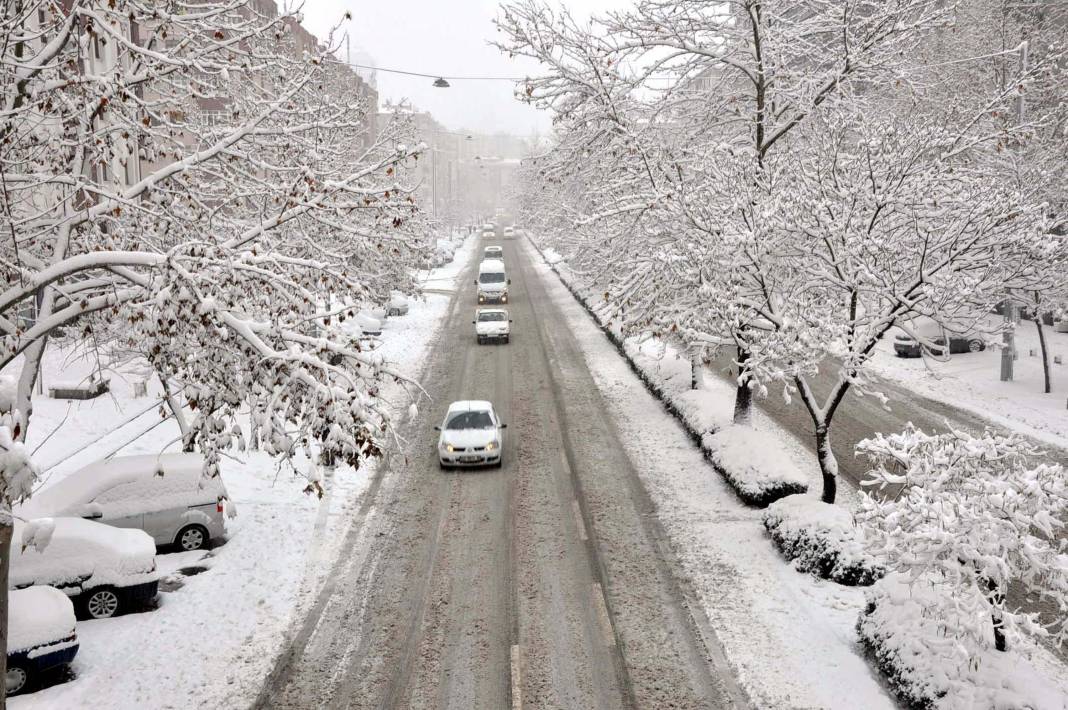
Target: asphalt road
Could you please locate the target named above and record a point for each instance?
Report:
(547, 583)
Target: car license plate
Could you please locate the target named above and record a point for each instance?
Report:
(470, 459)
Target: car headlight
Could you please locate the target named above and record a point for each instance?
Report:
(447, 447)
(492, 445)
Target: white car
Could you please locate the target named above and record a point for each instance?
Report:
(471, 435)
(369, 325)
(104, 570)
(492, 324)
(509, 231)
(494, 252)
(492, 282)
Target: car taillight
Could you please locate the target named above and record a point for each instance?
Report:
(219, 506)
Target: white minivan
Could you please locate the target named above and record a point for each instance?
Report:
(165, 495)
(492, 282)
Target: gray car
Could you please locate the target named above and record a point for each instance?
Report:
(165, 495)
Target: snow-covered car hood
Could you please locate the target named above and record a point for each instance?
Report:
(465, 438)
(491, 327)
(83, 553)
(39, 616)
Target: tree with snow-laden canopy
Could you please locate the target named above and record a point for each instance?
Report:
(962, 521)
(191, 180)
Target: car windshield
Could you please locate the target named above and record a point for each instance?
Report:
(470, 420)
(498, 316)
(491, 277)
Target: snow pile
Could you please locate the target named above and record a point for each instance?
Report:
(130, 485)
(820, 538)
(754, 463)
(909, 630)
(83, 554)
(38, 616)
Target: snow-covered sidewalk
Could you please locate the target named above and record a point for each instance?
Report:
(790, 637)
(223, 615)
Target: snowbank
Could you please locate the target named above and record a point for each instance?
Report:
(38, 616)
(907, 628)
(84, 554)
(821, 538)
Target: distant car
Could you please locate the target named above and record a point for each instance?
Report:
(492, 324)
(41, 636)
(489, 230)
(937, 335)
(509, 231)
(369, 325)
(471, 435)
(493, 252)
(105, 570)
(397, 305)
(165, 495)
(492, 282)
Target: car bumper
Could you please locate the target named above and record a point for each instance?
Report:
(140, 593)
(492, 336)
(493, 297)
(470, 460)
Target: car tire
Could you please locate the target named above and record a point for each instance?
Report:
(506, 338)
(976, 346)
(19, 679)
(192, 537)
(100, 603)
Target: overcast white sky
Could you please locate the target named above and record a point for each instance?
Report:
(447, 37)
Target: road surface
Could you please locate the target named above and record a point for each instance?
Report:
(544, 584)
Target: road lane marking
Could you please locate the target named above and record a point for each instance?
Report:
(602, 614)
(578, 520)
(517, 680)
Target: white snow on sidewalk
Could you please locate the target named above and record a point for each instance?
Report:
(789, 636)
(212, 641)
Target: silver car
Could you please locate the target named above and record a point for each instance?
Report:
(165, 495)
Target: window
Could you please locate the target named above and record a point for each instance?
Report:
(470, 420)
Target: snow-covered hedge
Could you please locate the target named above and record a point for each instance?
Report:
(820, 538)
(754, 463)
(909, 630)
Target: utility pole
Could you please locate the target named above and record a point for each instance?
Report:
(1008, 350)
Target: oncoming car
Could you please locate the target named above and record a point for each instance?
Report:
(471, 435)
(492, 282)
(493, 252)
(509, 232)
(492, 324)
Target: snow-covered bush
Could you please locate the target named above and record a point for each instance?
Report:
(753, 464)
(909, 630)
(960, 519)
(821, 538)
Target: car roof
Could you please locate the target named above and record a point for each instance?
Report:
(492, 310)
(471, 405)
(491, 265)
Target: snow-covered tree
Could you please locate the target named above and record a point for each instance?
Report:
(199, 181)
(978, 515)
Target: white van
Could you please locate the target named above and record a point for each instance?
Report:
(492, 282)
(165, 495)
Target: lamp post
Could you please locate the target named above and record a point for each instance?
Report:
(1008, 349)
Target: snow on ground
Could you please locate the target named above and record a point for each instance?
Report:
(218, 631)
(790, 637)
(972, 381)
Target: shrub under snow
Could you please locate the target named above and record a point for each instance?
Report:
(820, 538)
(754, 464)
(909, 629)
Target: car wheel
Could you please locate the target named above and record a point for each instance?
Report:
(975, 345)
(18, 679)
(506, 340)
(192, 537)
(101, 603)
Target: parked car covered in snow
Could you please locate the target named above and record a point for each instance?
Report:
(369, 325)
(934, 337)
(166, 495)
(471, 435)
(397, 305)
(40, 636)
(492, 324)
(105, 570)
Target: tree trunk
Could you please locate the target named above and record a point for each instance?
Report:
(695, 370)
(7, 530)
(828, 463)
(996, 597)
(1045, 351)
(743, 396)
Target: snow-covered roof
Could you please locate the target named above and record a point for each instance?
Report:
(491, 266)
(82, 551)
(37, 616)
(180, 472)
(493, 310)
(471, 405)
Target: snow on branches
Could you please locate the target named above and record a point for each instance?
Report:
(977, 516)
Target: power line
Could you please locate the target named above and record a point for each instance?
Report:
(439, 76)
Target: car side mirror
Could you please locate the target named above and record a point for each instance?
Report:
(475, 322)
(503, 426)
(437, 428)
(509, 282)
(511, 321)
(476, 282)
